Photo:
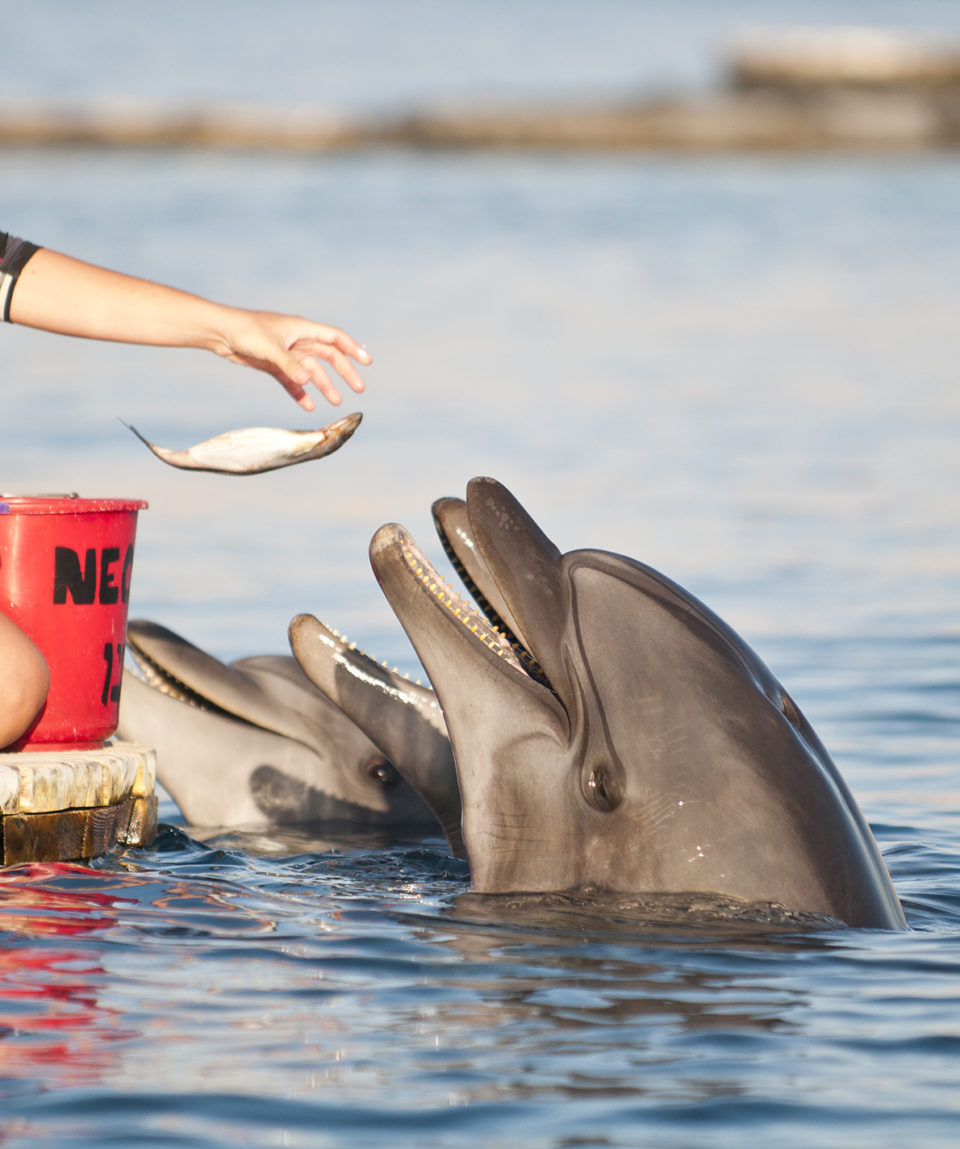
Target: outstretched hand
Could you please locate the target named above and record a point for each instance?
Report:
(58, 293)
(291, 350)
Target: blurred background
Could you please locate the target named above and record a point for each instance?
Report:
(737, 365)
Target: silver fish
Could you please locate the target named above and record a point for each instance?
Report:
(252, 450)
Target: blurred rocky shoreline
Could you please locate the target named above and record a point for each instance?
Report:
(829, 90)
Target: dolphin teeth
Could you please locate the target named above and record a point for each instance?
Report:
(158, 679)
(466, 613)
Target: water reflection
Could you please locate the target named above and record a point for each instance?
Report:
(448, 994)
(596, 914)
(304, 838)
(53, 1028)
(606, 988)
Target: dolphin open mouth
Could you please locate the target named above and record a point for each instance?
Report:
(158, 677)
(509, 633)
(485, 625)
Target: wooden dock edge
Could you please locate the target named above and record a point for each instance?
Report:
(72, 805)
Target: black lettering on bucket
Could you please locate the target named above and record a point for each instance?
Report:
(67, 576)
(83, 585)
(126, 573)
(109, 591)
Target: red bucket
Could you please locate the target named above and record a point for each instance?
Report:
(65, 566)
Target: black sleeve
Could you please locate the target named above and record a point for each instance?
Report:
(14, 255)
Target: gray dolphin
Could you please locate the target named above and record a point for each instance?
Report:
(255, 743)
(638, 746)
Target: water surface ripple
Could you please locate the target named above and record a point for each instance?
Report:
(209, 994)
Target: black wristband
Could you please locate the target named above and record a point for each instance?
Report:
(14, 256)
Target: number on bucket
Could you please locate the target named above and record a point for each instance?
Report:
(111, 689)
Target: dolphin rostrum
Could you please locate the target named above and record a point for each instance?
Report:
(255, 743)
(253, 450)
(636, 744)
(402, 717)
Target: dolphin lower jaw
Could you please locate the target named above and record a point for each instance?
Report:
(152, 674)
(402, 717)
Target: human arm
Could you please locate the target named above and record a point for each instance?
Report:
(55, 292)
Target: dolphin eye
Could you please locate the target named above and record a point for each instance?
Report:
(382, 772)
(603, 788)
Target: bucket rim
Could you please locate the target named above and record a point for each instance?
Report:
(66, 505)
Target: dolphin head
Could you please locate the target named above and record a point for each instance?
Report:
(617, 735)
(255, 743)
(402, 717)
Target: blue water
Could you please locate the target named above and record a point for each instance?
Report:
(740, 370)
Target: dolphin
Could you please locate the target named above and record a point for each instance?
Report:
(636, 743)
(255, 743)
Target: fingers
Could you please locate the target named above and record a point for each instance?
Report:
(295, 391)
(325, 336)
(309, 351)
(322, 381)
(309, 355)
(295, 350)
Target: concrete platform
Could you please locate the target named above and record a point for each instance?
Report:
(68, 805)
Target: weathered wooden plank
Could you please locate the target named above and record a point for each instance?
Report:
(70, 835)
(65, 835)
(141, 827)
(47, 781)
(67, 805)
